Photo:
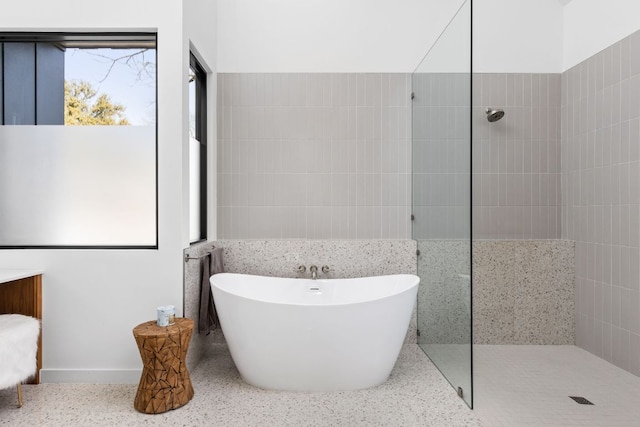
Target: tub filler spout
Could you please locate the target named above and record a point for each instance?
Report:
(314, 272)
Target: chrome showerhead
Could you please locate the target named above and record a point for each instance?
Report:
(493, 115)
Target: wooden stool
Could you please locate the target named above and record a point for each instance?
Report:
(165, 383)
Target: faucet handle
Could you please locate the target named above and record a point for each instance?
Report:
(325, 269)
(301, 269)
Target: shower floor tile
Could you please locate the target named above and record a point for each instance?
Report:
(523, 385)
(415, 395)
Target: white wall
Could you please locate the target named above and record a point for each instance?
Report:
(328, 35)
(450, 52)
(93, 298)
(517, 36)
(543, 36)
(593, 25)
(382, 35)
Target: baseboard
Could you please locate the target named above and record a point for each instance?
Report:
(93, 376)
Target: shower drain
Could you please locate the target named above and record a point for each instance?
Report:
(581, 400)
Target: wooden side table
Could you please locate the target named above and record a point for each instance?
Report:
(165, 383)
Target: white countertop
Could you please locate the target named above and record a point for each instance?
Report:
(10, 275)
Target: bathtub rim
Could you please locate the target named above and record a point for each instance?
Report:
(408, 288)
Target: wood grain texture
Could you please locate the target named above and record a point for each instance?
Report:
(165, 383)
(24, 296)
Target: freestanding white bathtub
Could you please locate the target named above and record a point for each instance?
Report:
(314, 335)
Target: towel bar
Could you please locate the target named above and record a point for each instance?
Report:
(187, 257)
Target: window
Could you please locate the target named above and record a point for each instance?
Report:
(78, 140)
(197, 151)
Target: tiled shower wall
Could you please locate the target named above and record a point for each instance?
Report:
(441, 157)
(516, 161)
(314, 156)
(601, 199)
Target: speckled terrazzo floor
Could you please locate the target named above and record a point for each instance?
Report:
(416, 394)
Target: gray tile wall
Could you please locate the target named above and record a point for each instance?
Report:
(516, 161)
(314, 156)
(441, 155)
(601, 199)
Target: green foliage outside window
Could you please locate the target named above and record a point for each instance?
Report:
(84, 106)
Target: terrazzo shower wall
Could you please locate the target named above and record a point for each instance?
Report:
(280, 258)
(601, 199)
(314, 156)
(443, 299)
(522, 291)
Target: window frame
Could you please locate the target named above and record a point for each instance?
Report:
(200, 76)
(119, 39)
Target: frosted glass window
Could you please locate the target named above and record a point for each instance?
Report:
(194, 190)
(77, 186)
(78, 140)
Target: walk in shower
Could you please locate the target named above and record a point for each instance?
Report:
(441, 199)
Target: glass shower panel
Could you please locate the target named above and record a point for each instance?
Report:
(441, 201)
